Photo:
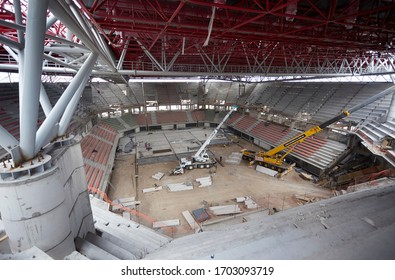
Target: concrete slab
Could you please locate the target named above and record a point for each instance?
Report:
(208, 178)
(179, 187)
(153, 189)
(167, 223)
(225, 209)
(266, 171)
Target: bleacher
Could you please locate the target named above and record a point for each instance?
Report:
(209, 115)
(199, 116)
(374, 135)
(324, 100)
(245, 124)
(167, 94)
(375, 110)
(233, 119)
(314, 151)
(96, 150)
(270, 132)
(142, 120)
(171, 117)
(129, 119)
(114, 123)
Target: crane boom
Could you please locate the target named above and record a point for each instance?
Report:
(198, 154)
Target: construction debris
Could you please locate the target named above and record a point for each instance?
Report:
(153, 189)
(167, 223)
(158, 175)
(180, 187)
(306, 176)
(303, 199)
(204, 181)
(225, 209)
(248, 202)
(242, 198)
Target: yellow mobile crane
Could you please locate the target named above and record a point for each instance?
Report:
(274, 158)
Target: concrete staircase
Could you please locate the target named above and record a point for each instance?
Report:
(372, 135)
(117, 238)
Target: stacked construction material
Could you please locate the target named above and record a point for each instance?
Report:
(225, 209)
(204, 181)
(158, 175)
(248, 202)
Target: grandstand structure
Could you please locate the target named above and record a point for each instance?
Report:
(79, 77)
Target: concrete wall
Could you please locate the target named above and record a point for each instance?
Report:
(49, 209)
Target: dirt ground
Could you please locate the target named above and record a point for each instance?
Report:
(229, 182)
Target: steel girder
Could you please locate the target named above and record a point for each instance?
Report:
(166, 38)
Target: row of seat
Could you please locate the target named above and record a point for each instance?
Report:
(93, 177)
(96, 150)
(161, 117)
(324, 101)
(313, 150)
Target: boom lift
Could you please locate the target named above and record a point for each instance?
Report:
(201, 158)
(274, 158)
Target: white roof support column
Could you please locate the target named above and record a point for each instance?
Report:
(44, 101)
(70, 109)
(9, 143)
(58, 10)
(51, 21)
(21, 52)
(45, 132)
(32, 69)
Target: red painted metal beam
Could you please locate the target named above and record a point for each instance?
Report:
(167, 24)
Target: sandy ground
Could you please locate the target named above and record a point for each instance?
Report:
(229, 182)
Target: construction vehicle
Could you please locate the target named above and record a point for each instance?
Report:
(201, 159)
(275, 158)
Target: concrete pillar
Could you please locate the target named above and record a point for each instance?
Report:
(34, 214)
(45, 203)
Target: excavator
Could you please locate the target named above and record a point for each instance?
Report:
(275, 158)
(201, 158)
